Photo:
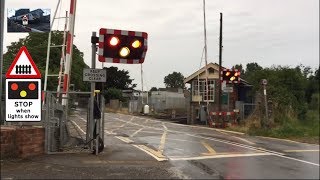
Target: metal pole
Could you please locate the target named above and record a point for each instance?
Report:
(48, 50)
(63, 56)
(205, 52)
(1, 53)
(102, 117)
(93, 86)
(141, 84)
(266, 104)
(102, 107)
(220, 63)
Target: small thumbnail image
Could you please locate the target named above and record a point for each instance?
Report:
(28, 20)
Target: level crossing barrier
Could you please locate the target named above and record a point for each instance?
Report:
(223, 119)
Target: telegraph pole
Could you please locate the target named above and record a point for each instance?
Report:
(205, 53)
(220, 63)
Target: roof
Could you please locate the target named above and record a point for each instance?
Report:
(214, 66)
(200, 71)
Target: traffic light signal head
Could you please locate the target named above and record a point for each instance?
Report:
(230, 76)
(119, 46)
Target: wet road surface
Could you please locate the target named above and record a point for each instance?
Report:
(201, 152)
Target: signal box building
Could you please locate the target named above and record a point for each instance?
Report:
(233, 94)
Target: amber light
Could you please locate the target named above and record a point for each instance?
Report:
(136, 44)
(124, 52)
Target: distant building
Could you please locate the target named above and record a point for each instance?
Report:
(38, 13)
(20, 12)
(198, 97)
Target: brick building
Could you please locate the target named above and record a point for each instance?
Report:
(198, 98)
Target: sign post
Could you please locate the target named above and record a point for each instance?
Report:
(23, 89)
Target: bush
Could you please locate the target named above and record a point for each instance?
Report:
(314, 104)
(113, 93)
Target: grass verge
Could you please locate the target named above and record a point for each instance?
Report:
(306, 131)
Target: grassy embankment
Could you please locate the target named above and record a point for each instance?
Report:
(306, 130)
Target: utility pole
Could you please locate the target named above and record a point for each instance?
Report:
(1, 53)
(205, 53)
(220, 63)
(264, 83)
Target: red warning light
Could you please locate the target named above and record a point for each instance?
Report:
(14, 86)
(32, 86)
(114, 41)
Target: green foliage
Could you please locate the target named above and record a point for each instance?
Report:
(314, 104)
(113, 93)
(174, 80)
(118, 79)
(36, 44)
(295, 97)
(154, 89)
(286, 87)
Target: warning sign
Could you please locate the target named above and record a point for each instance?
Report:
(23, 67)
(23, 102)
(23, 89)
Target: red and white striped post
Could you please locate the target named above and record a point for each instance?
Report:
(67, 65)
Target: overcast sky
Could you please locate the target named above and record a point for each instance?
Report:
(269, 32)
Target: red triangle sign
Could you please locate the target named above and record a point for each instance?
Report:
(23, 67)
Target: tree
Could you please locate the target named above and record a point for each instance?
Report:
(154, 89)
(239, 68)
(174, 80)
(286, 87)
(118, 79)
(36, 44)
(113, 93)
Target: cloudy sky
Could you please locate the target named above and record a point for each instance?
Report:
(269, 32)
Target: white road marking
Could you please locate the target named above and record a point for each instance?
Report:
(74, 123)
(217, 156)
(165, 127)
(151, 132)
(235, 144)
(162, 141)
(244, 140)
(151, 152)
(136, 132)
(211, 151)
(301, 150)
(109, 132)
(124, 139)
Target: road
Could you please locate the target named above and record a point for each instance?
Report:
(201, 153)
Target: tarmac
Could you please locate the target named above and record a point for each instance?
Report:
(118, 161)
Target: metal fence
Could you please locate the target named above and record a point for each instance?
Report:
(66, 127)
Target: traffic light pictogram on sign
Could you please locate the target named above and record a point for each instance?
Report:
(23, 90)
(119, 46)
(230, 76)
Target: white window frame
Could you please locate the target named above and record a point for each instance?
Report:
(202, 89)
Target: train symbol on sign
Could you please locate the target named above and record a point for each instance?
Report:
(23, 90)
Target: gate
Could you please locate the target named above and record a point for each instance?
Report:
(66, 127)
